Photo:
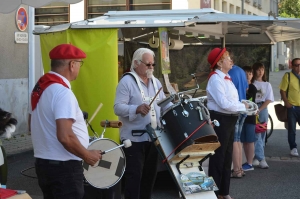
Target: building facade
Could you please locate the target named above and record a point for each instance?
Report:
(14, 57)
(57, 13)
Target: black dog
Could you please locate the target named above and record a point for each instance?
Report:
(7, 124)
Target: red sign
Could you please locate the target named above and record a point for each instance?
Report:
(22, 19)
(205, 3)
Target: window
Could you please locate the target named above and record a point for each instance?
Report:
(224, 7)
(238, 10)
(216, 4)
(97, 8)
(231, 7)
(52, 14)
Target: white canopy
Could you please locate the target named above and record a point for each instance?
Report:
(192, 26)
(7, 6)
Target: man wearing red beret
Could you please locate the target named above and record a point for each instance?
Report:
(59, 133)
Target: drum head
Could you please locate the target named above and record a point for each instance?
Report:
(110, 168)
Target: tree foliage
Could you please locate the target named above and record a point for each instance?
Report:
(289, 8)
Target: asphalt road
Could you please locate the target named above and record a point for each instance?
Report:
(281, 180)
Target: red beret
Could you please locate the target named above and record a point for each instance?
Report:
(215, 55)
(66, 51)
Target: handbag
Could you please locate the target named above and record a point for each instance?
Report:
(260, 127)
(281, 112)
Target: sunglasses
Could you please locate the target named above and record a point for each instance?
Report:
(148, 65)
(81, 62)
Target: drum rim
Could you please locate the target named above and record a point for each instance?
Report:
(177, 104)
(123, 170)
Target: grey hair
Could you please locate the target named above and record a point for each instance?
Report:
(58, 64)
(138, 55)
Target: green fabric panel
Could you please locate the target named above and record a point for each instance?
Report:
(98, 77)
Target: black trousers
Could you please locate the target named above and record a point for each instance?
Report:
(141, 169)
(60, 179)
(114, 192)
(220, 163)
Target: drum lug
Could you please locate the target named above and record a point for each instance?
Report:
(175, 113)
(185, 113)
(163, 122)
(200, 113)
(186, 135)
(191, 106)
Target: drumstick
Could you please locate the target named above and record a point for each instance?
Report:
(126, 143)
(96, 111)
(155, 96)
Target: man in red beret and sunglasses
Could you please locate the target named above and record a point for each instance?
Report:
(58, 130)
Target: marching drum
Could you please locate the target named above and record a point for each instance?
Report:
(110, 168)
(183, 119)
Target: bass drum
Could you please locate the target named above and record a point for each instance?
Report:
(110, 168)
(182, 119)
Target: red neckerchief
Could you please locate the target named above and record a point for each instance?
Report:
(228, 78)
(211, 73)
(45, 81)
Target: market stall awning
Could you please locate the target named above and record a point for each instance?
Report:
(201, 26)
(7, 6)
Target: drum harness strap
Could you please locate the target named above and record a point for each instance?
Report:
(145, 99)
(199, 127)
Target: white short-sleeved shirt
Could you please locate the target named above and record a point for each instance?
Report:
(264, 91)
(56, 102)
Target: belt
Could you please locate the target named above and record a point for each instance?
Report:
(55, 162)
(138, 132)
(259, 103)
(225, 114)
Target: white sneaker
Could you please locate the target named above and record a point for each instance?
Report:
(294, 152)
(255, 163)
(263, 164)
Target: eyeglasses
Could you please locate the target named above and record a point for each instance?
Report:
(81, 62)
(296, 65)
(148, 65)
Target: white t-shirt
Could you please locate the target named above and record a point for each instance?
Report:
(264, 91)
(56, 102)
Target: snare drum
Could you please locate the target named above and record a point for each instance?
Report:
(182, 119)
(110, 168)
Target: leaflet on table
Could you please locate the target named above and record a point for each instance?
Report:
(195, 182)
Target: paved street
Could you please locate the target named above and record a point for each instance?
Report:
(281, 180)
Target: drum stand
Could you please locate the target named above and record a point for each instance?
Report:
(188, 160)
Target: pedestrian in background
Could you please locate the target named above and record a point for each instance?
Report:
(290, 94)
(239, 80)
(263, 98)
(248, 133)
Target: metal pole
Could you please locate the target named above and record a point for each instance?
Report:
(31, 52)
(223, 42)
(243, 1)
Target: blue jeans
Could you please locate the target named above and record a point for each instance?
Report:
(260, 137)
(238, 127)
(293, 115)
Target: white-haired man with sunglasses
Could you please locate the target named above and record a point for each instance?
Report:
(133, 96)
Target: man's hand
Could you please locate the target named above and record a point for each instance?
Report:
(143, 109)
(288, 105)
(246, 105)
(92, 157)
